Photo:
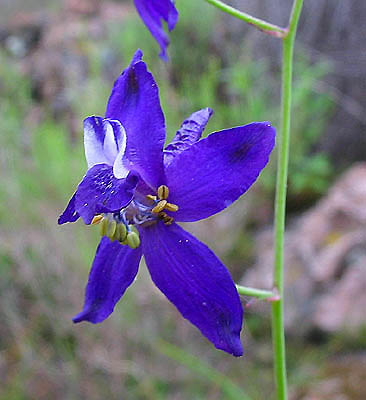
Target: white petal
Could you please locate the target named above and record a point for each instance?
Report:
(93, 141)
(120, 135)
(119, 171)
(104, 140)
(110, 144)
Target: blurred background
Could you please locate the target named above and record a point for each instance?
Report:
(58, 60)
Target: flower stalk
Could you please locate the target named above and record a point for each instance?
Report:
(259, 293)
(262, 25)
(278, 331)
(288, 39)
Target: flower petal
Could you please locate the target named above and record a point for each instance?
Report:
(70, 214)
(196, 282)
(190, 132)
(135, 103)
(114, 269)
(103, 140)
(152, 12)
(217, 170)
(101, 192)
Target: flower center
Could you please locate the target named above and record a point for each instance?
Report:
(160, 204)
(121, 225)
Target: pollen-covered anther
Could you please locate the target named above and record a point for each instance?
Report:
(171, 207)
(104, 227)
(133, 238)
(111, 230)
(163, 192)
(121, 233)
(159, 207)
(151, 197)
(166, 218)
(108, 228)
(168, 221)
(97, 219)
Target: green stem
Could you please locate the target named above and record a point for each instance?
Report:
(264, 26)
(278, 333)
(259, 293)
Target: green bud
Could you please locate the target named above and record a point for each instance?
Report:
(133, 240)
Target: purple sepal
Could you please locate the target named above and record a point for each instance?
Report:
(101, 192)
(152, 12)
(196, 282)
(135, 103)
(70, 214)
(114, 269)
(190, 132)
(214, 172)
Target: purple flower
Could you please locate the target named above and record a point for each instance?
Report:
(152, 12)
(136, 190)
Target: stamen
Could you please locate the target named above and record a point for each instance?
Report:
(171, 207)
(163, 215)
(121, 232)
(121, 225)
(159, 207)
(166, 218)
(163, 192)
(111, 230)
(168, 221)
(104, 227)
(133, 240)
(97, 219)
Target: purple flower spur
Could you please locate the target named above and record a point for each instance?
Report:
(137, 190)
(153, 12)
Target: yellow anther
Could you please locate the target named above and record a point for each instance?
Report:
(133, 240)
(166, 218)
(112, 226)
(97, 219)
(168, 221)
(163, 192)
(171, 207)
(159, 207)
(104, 227)
(151, 197)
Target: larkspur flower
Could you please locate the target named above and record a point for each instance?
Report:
(136, 190)
(153, 12)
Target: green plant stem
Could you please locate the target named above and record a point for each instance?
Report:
(278, 333)
(288, 36)
(259, 293)
(264, 26)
